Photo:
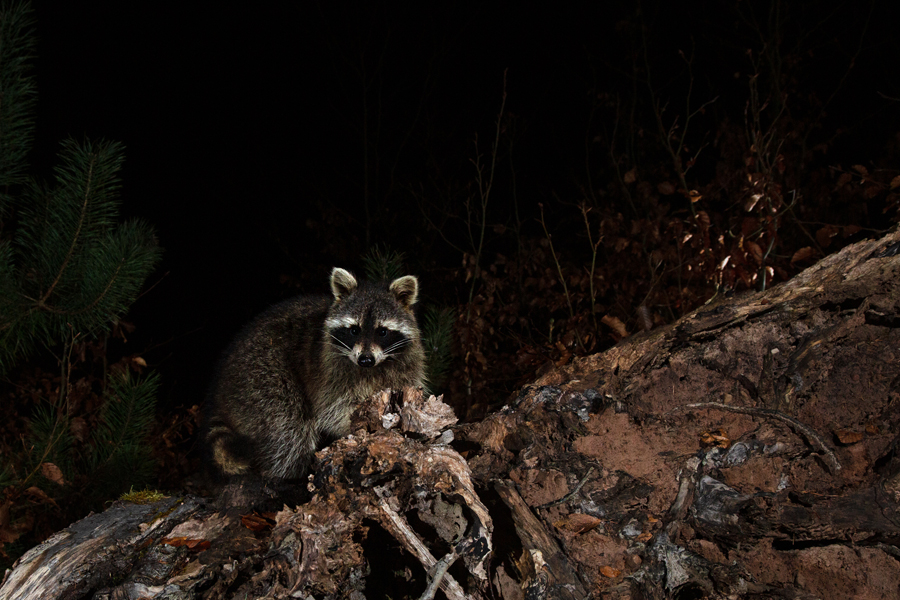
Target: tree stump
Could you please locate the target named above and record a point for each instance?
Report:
(746, 451)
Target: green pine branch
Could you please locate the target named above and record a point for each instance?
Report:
(68, 264)
(119, 454)
(7, 477)
(120, 451)
(50, 441)
(71, 265)
(381, 263)
(17, 94)
(437, 339)
(69, 269)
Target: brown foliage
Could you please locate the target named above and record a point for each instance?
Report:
(680, 220)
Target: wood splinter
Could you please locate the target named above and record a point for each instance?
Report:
(396, 524)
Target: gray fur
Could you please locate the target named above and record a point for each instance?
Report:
(290, 380)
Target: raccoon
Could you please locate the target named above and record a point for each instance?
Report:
(289, 382)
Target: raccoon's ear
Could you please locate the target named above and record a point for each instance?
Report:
(405, 290)
(343, 283)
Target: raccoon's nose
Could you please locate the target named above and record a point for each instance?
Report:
(366, 359)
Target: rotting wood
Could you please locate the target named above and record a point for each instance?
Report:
(597, 474)
(553, 564)
(96, 548)
(778, 373)
(313, 549)
(401, 530)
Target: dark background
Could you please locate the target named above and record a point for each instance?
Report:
(245, 125)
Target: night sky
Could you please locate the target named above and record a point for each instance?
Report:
(241, 120)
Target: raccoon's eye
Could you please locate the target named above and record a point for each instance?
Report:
(354, 330)
(381, 331)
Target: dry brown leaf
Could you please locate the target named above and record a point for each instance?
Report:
(53, 473)
(755, 251)
(824, 235)
(872, 190)
(844, 179)
(610, 572)
(703, 219)
(803, 254)
(630, 176)
(175, 541)
(719, 438)
(191, 544)
(255, 522)
(79, 428)
(10, 531)
(577, 523)
(847, 437)
(751, 202)
(616, 325)
(40, 495)
(665, 188)
(895, 182)
(8, 536)
(861, 170)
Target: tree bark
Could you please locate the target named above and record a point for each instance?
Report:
(748, 450)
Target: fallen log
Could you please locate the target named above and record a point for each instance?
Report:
(748, 450)
(191, 548)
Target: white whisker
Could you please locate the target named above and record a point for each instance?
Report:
(397, 345)
(339, 346)
(338, 340)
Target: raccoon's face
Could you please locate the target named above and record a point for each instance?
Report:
(369, 324)
(368, 341)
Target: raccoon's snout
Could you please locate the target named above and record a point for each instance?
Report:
(366, 359)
